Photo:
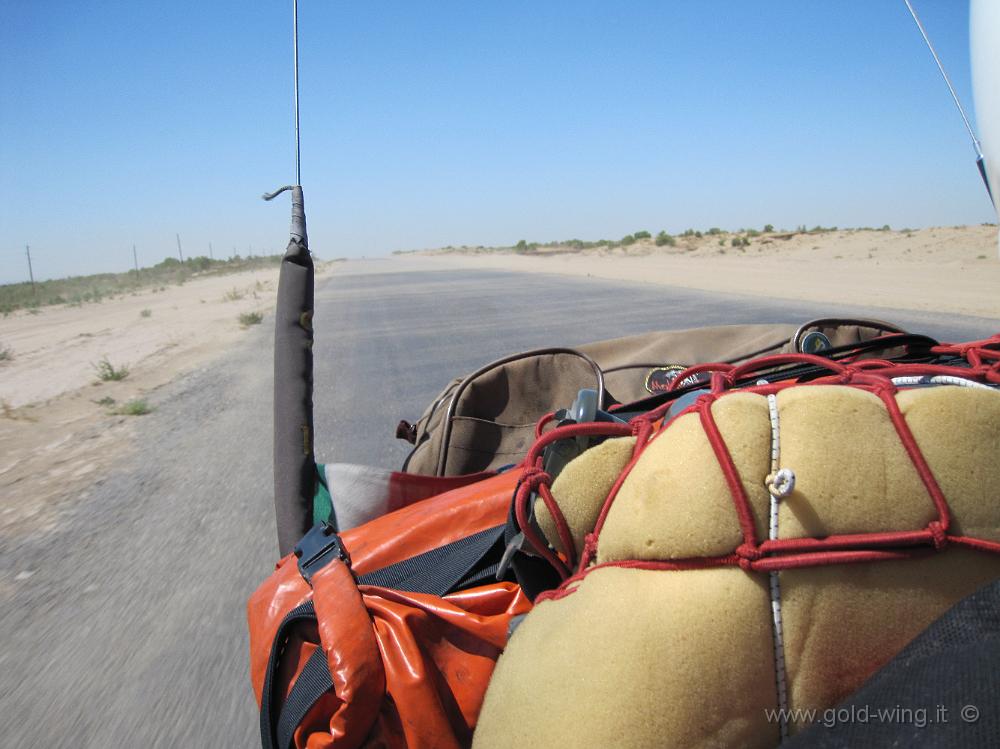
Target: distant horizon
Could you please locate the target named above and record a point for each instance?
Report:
(426, 127)
(562, 241)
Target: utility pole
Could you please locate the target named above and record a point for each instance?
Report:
(31, 274)
(135, 259)
(210, 255)
(179, 253)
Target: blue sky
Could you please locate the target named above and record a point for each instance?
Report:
(428, 124)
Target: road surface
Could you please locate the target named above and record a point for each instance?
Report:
(125, 626)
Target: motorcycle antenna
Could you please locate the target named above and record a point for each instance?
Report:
(980, 163)
(296, 476)
(295, 67)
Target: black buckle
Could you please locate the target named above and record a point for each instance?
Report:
(320, 546)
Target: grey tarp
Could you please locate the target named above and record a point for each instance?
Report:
(294, 462)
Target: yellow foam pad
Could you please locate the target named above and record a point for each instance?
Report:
(675, 503)
(581, 488)
(844, 622)
(852, 474)
(620, 664)
(958, 431)
(644, 658)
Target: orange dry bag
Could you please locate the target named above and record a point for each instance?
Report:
(386, 635)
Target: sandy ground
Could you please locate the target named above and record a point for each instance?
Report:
(59, 426)
(948, 269)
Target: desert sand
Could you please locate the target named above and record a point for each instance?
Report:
(947, 269)
(59, 425)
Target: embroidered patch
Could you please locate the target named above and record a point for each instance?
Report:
(658, 380)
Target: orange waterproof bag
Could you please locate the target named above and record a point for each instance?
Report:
(387, 634)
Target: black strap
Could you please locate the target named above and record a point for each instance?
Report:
(438, 571)
(295, 616)
(460, 564)
(314, 681)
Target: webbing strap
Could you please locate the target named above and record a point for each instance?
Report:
(439, 570)
(314, 681)
(460, 564)
(298, 614)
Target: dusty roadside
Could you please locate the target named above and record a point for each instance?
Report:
(61, 426)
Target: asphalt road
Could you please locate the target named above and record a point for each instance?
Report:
(125, 625)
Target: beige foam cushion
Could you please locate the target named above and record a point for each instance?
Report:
(852, 473)
(581, 488)
(675, 503)
(644, 659)
(842, 623)
(654, 658)
(958, 431)
(620, 664)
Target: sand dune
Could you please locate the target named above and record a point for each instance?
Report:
(949, 269)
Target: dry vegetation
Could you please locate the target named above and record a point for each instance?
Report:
(79, 290)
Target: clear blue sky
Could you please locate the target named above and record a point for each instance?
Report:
(427, 124)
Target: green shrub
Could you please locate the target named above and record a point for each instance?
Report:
(665, 239)
(768, 228)
(6, 353)
(146, 313)
(250, 318)
(714, 230)
(642, 235)
(627, 240)
(106, 371)
(136, 407)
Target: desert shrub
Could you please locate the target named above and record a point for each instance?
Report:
(714, 230)
(106, 371)
(642, 235)
(768, 228)
(6, 353)
(135, 407)
(627, 240)
(665, 239)
(250, 318)
(146, 313)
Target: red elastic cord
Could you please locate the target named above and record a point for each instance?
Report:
(544, 422)
(919, 462)
(740, 500)
(642, 428)
(539, 546)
